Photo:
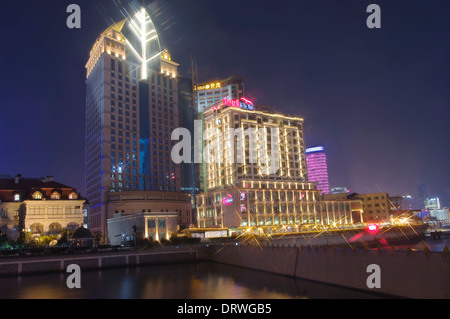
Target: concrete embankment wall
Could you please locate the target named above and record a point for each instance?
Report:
(357, 238)
(403, 274)
(46, 264)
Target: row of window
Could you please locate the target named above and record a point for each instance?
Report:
(54, 210)
(370, 198)
(215, 92)
(118, 187)
(54, 195)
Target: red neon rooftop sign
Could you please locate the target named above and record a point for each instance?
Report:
(243, 103)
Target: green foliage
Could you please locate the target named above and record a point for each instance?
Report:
(63, 237)
(24, 237)
(98, 236)
(3, 239)
(7, 244)
(42, 241)
(175, 240)
(147, 243)
(164, 241)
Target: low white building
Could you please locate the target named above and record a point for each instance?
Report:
(156, 225)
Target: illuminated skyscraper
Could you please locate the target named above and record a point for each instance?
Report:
(131, 109)
(316, 162)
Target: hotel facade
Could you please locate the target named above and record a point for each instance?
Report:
(261, 180)
(212, 92)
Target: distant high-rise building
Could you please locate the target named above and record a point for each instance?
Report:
(432, 203)
(316, 162)
(407, 202)
(187, 113)
(132, 107)
(436, 212)
(422, 191)
(212, 92)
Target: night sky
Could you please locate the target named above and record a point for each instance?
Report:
(378, 100)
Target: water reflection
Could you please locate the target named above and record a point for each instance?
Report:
(182, 281)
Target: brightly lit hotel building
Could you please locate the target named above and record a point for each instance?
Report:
(132, 107)
(241, 192)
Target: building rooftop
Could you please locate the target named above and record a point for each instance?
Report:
(26, 187)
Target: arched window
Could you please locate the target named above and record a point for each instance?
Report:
(37, 195)
(73, 196)
(37, 228)
(55, 195)
(54, 228)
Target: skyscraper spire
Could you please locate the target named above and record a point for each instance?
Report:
(147, 38)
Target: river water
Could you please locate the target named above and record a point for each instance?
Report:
(178, 281)
(184, 281)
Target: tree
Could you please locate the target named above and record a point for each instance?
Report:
(24, 237)
(98, 236)
(63, 239)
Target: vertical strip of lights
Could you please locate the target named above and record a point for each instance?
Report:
(143, 44)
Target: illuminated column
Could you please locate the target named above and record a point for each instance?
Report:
(350, 212)
(167, 228)
(334, 213)
(328, 214)
(315, 211)
(146, 227)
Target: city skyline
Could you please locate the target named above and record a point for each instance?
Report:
(387, 137)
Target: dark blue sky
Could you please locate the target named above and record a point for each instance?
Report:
(379, 100)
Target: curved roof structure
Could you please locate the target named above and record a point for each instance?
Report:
(82, 233)
(115, 27)
(140, 36)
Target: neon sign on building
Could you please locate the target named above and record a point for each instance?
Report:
(228, 200)
(216, 85)
(242, 103)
